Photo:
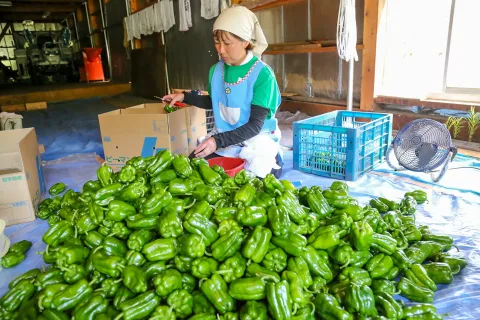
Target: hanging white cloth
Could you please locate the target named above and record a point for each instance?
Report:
(128, 27)
(185, 14)
(209, 9)
(150, 19)
(158, 25)
(136, 25)
(168, 18)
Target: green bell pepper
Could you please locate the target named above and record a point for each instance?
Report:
(392, 205)
(379, 205)
(139, 221)
(119, 210)
(216, 291)
(326, 237)
(272, 185)
(355, 275)
(105, 175)
(300, 267)
(382, 285)
(251, 216)
(140, 306)
(108, 264)
(295, 285)
(247, 289)
(210, 194)
(30, 275)
(120, 230)
(402, 241)
(163, 313)
(160, 249)
(232, 268)
(384, 243)
(317, 264)
(209, 175)
(419, 196)
(293, 243)
(110, 287)
(361, 235)
(133, 191)
(319, 204)
(388, 306)
(12, 259)
(411, 233)
(337, 198)
(91, 308)
(256, 246)
(134, 279)
(58, 233)
(196, 223)
(224, 213)
(152, 269)
(57, 188)
(342, 221)
(279, 220)
(227, 245)
(400, 260)
(113, 246)
(204, 267)
(201, 305)
(291, 204)
(72, 296)
(139, 238)
(243, 177)
(14, 298)
(380, 266)
(161, 161)
(360, 258)
(360, 299)
(253, 310)
(183, 263)
(418, 275)
(170, 225)
(275, 260)
(439, 272)
(182, 166)
(256, 270)
(192, 245)
(327, 305)
(263, 199)
(74, 273)
(245, 196)
(189, 282)
(156, 202)
(279, 300)
(408, 205)
(167, 281)
(456, 263)
(356, 212)
(414, 292)
(418, 310)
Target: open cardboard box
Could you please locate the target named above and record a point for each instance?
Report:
(22, 184)
(146, 129)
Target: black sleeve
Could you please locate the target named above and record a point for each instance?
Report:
(248, 130)
(204, 102)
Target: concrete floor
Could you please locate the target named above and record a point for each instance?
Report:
(66, 128)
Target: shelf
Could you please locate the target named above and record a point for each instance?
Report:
(268, 5)
(295, 48)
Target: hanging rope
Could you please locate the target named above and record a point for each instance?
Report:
(347, 31)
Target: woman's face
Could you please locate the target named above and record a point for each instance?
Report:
(231, 49)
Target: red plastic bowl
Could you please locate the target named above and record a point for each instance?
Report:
(232, 166)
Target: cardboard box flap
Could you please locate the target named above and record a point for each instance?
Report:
(11, 161)
(152, 110)
(31, 167)
(11, 138)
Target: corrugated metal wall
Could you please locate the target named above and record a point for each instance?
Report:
(190, 54)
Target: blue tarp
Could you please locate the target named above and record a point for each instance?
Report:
(453, 209)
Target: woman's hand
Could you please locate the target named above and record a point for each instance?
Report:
(205, 148)
(174, 97)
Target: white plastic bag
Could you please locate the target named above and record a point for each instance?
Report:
(260, 154)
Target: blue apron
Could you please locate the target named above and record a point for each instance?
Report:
(232, 104)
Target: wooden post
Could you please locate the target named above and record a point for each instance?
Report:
(370, 26)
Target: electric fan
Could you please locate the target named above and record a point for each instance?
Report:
(423, 145)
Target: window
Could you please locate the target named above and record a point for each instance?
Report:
(462, 66)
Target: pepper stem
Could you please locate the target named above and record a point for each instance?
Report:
(346, 264)
(121, 266)
(313, 307)
(191, 205)
(40, 300)
(208, 253)
(295, 307)
(453, 245)
(268, 277)
(120, 316)
(202, 281)
(223, 271)
(96, 249)
(46, 249)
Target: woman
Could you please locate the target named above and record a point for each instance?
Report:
(243, 94)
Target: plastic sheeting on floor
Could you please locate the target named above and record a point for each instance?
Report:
(453, 209)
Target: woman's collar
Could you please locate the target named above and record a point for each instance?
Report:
(247, 58)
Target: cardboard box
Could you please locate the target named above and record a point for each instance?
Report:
(22, 184)
(196, 126)
(36, 106)
(142, 130)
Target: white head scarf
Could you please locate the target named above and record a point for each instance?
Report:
(243, 23)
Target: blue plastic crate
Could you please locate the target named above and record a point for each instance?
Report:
(341, 144)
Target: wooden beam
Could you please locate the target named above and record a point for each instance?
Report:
(370, 26)
(52, 1)
(424, 103)
(25, 7)
(312, 109)
(37, 17)
(5, 30)
(304, 48)
(268, 5)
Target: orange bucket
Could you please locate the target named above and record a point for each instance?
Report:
(232, 166)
